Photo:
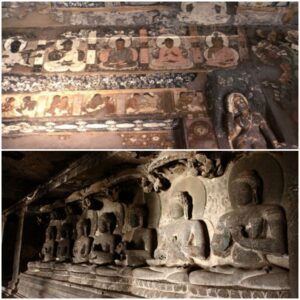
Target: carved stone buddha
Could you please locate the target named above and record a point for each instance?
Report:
(49, 247)
(103, 248)
(82, 245)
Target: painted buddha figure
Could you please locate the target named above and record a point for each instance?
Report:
(82, 245)
(49, 247)
(64, 244)
(182, 240)
(66, 59)
(246, 129)
(219, 55)
(119, 56)
(137, 244)
(12, 54)
(104, 244)
(170, 56)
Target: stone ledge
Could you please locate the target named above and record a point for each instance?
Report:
(124, 286)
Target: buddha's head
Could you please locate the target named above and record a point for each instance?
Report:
(246, 189)
(120, 44)
(217, 41)
(15, 46)
(169, 43)
(67, 44)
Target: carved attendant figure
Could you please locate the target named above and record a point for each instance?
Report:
(247, 130)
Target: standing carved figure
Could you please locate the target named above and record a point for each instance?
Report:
(247, 129)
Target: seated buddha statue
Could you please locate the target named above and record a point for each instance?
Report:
(63, 252)
(66, 59)
(137, 244)
(49, 247)
(82, 245)
(249, 244)
(119, 57)
(104, 244)
(182, 240)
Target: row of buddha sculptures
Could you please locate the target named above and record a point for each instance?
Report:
(165, 52)
(248, 244)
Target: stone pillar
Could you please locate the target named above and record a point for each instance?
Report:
(4, 219)
(18, 245)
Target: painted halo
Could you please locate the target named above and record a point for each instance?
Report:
(12, 39)
(208, 39)
(160, 40)
(112, 41)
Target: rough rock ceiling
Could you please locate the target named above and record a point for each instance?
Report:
(23, 171)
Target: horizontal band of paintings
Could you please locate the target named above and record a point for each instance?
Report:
(119, 52)
(99, 104)
(53, 126)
